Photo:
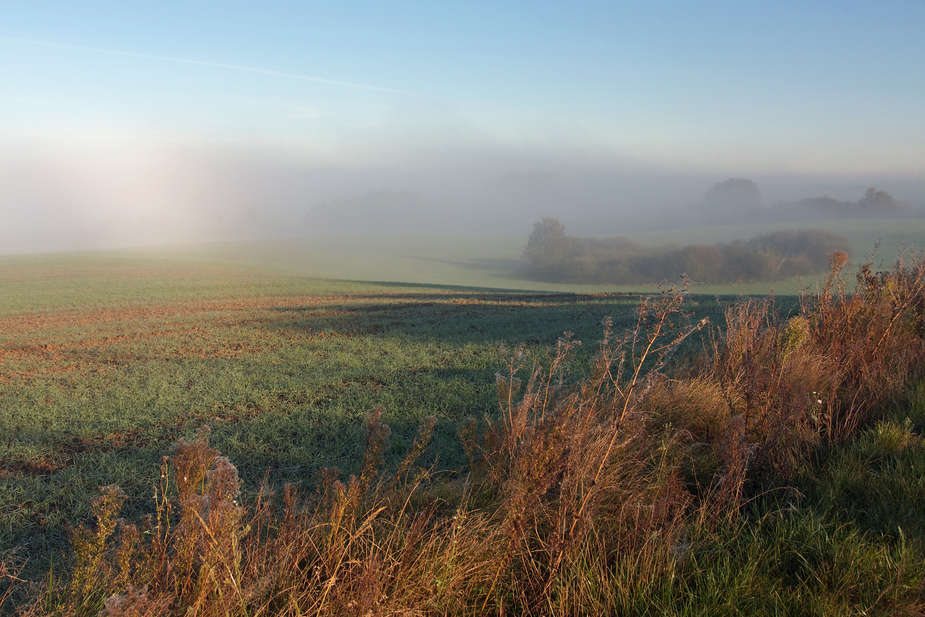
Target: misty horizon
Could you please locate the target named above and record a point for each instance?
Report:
(196, 199)
(132, 126)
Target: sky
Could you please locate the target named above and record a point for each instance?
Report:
(131, 123)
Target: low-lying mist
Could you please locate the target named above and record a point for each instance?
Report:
(92, 197)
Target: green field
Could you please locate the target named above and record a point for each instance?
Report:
(281, 348)
(108, 357)
(105, 360)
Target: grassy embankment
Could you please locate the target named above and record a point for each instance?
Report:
(726, 489)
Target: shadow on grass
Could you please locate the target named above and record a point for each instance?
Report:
(475, 318)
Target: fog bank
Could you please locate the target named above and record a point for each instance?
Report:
(123, 192)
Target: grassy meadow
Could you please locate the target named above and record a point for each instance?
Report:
(283, 348)
(107, 360)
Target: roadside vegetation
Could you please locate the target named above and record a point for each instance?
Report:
(552, 256)
(769, 462)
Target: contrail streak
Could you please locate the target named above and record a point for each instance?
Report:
(221, 65)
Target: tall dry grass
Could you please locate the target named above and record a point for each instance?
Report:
(580, 497)
(829, 370)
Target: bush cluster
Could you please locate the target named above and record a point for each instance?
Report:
(588, 497)
(553, 256)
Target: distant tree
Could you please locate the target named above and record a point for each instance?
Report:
(733, 195)
(877, 200)
(548, 245)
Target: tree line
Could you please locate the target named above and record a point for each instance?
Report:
(554, 256)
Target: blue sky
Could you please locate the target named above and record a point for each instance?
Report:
(728, 88)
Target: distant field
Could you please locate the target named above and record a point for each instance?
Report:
(106, 360)
(495, 262)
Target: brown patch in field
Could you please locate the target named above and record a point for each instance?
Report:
(29, 330)
(68, 448)
(42, 466)
(7, 377)
(233, 413)
(55, 351)
(365, 382)
(56, 358)
(120, 440)
(31, 322)
(204, 352)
